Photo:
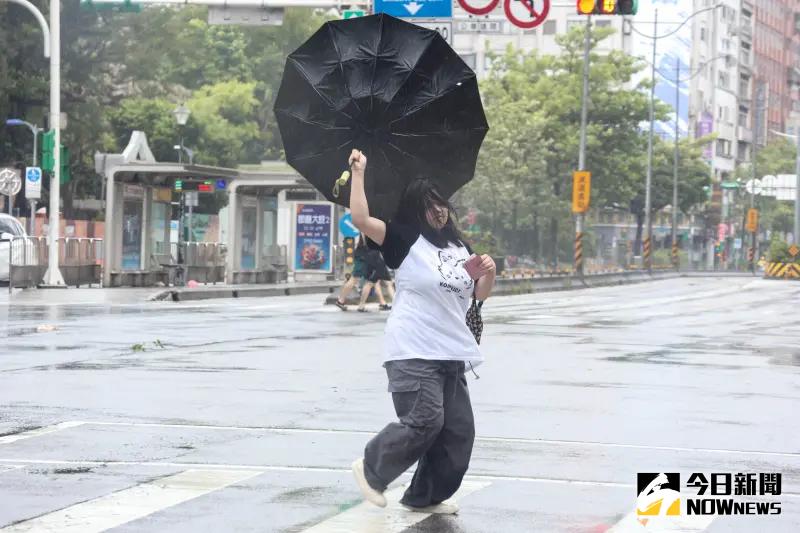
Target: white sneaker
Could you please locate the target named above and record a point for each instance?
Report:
(442, 508)
(370, 494)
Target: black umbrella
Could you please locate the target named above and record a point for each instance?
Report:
(392, 89)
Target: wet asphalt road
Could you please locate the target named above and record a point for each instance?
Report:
(267, 401)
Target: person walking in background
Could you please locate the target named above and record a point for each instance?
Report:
(377, 273)
(359, 271)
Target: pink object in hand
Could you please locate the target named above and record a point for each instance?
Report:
(472, 265)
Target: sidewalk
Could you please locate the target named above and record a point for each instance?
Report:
(138, 295)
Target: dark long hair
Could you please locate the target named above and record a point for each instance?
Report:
(420, 196)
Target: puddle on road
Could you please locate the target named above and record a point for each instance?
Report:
(668, 357)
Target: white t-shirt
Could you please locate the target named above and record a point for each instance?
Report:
(434, 292)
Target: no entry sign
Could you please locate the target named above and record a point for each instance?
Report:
(478, 7)
(526, 13)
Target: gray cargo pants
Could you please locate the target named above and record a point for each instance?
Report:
(436, 428)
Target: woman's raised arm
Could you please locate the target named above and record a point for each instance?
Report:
(372, 227)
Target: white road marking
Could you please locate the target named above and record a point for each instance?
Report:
(477, 439)
(7, 439)
(127, 505)
(274, 468)
(366, 517)
(659, 524)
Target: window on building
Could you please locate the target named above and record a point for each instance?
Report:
(603, 23)
(702, 34)
(724, 79)
(724, 148)
(549, 27)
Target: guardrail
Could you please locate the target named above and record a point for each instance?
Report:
(79, 259)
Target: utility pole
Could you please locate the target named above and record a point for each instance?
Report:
(756, 139)
(587, 45)
(675, 256)
(646, 260)
(52, 277)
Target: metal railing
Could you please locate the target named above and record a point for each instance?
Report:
(79, 259)
(203, 262)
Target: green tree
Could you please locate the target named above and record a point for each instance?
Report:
(693, 175)
(533, 102)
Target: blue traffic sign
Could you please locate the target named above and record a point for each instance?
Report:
(415, 8)
(33, 174)
(346, 226)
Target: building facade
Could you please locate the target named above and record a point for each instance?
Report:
(474, 36)
(721, 100)
(777, 52)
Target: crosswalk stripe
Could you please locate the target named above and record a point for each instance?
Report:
(130, 504)
(7, 439)
(366, 517)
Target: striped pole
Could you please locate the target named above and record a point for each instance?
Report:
(675, 257)
(648, 265)
(579, 253)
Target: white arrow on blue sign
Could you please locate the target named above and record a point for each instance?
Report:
(347, 228)
(415, 8)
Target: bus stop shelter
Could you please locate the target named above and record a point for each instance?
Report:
(138, 248)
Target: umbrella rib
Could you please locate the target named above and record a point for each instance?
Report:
(427, 103)
(314, 122)
(317, 154)
(410, 72)
(327, 101)
(341, 69)
(375, 64)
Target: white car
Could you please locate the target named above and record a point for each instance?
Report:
(12, 235)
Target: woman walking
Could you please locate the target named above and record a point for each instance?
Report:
(364, 267)
(427, 345)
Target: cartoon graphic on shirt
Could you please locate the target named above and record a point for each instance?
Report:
(456, 279)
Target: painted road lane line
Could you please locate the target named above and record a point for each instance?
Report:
(130, 504)
(7, 439)
(506, 440)
(366, 517)
(658, 524)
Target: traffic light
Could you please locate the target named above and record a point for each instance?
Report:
(349, 250)
(64, 177)
(608, 7)
(48, 141)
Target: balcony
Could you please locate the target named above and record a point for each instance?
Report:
(744, 134)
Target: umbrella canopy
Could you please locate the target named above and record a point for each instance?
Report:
(392, 89)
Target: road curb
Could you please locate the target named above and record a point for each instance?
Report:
(256, 291)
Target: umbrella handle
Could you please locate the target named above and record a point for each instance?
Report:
(341, 182)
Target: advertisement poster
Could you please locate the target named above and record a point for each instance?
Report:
(313, 243)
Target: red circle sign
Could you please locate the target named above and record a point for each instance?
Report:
(478, 10)
(537, 15)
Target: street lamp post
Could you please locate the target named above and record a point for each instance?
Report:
(181, 113)
(35, 130)
(646, 256)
